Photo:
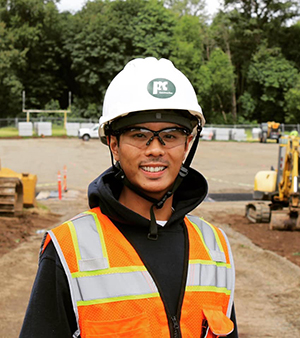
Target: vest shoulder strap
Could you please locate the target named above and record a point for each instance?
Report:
(210, 237)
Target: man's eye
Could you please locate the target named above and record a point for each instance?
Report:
(169, 136)
(139, 135)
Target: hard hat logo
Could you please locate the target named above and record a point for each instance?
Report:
(161, 88)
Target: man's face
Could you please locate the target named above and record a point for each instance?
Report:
(152, 168)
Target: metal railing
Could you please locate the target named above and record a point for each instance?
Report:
(57, 120)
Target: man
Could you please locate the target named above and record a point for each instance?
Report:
(135, 265)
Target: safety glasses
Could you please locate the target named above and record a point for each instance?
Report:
(142, 137)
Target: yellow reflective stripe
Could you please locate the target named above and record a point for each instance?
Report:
(125, 269)
(100, 232)
(117, 299)
(205, 262)
(75, 241)
(208, 289)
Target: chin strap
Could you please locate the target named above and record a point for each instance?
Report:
(184, 170)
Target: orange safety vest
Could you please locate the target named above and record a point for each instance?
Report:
(114, 295)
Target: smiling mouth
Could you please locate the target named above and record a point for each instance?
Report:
(153, 169)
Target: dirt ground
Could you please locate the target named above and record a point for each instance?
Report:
(267, 262)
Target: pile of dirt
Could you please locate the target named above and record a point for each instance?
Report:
(283, 243)
(16, 230)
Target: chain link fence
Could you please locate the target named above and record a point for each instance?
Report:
(13, 122)
(59, 121)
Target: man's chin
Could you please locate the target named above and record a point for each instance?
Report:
(155, 193)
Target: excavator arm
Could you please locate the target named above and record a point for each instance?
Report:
(281, 189)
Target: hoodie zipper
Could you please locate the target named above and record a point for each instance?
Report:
(174, 326)
(176, 319)
(173, 321)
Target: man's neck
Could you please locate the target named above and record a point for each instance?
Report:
(142, 207)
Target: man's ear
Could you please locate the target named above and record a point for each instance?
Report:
(187, 144)
(114, 147)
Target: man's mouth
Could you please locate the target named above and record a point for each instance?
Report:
(153, 169)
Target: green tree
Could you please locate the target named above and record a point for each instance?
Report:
(289, 40)
(10, 84)
(99, 46)
(215, 79)
(219, 35)
(251, 23)
(270, 76)
(154, 26)
(187, 46)
(35, 30)
(187, 7)
(292, 103)
(107, 35)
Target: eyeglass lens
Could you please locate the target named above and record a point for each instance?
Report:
(142, 137)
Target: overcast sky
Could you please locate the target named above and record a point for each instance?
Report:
(75, 5)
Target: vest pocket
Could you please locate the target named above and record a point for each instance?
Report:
(131, 327)
(219, 325)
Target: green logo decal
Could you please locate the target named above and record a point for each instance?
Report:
(161, 88)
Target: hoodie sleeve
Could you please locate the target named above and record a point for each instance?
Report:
(50, 312)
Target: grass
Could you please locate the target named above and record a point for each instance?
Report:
(13, 132)
(42, 206)
(249, 135)
(9, 132)
(58, 131)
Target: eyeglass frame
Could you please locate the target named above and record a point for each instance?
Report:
(155, 133)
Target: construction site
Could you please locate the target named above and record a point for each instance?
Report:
(267, 261)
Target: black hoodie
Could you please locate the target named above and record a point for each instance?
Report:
(50, 312)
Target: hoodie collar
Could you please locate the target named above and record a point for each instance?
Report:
(105, 190)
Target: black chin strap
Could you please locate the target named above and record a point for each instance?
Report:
(184, 170)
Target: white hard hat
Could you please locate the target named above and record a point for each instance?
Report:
(148, 84)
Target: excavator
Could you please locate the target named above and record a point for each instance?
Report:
(270, 130)
(16, 191)
(277, 192)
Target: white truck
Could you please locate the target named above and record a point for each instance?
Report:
(87, 133)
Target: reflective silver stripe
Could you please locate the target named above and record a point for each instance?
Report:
(74, 290)
(229, 308)
(209, 238)
(89, 244)
(215, 252)
(115, 285)
(209, 275)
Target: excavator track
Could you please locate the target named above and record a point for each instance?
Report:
(258, 212)
(11, 196)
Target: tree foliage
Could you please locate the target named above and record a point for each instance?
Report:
(244, 65)
(215, 86)
(270, 76)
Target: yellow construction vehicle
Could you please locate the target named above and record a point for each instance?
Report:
(16, 191)
(281, 188)
(270, 130)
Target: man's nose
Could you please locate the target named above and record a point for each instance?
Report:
(155, 147)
